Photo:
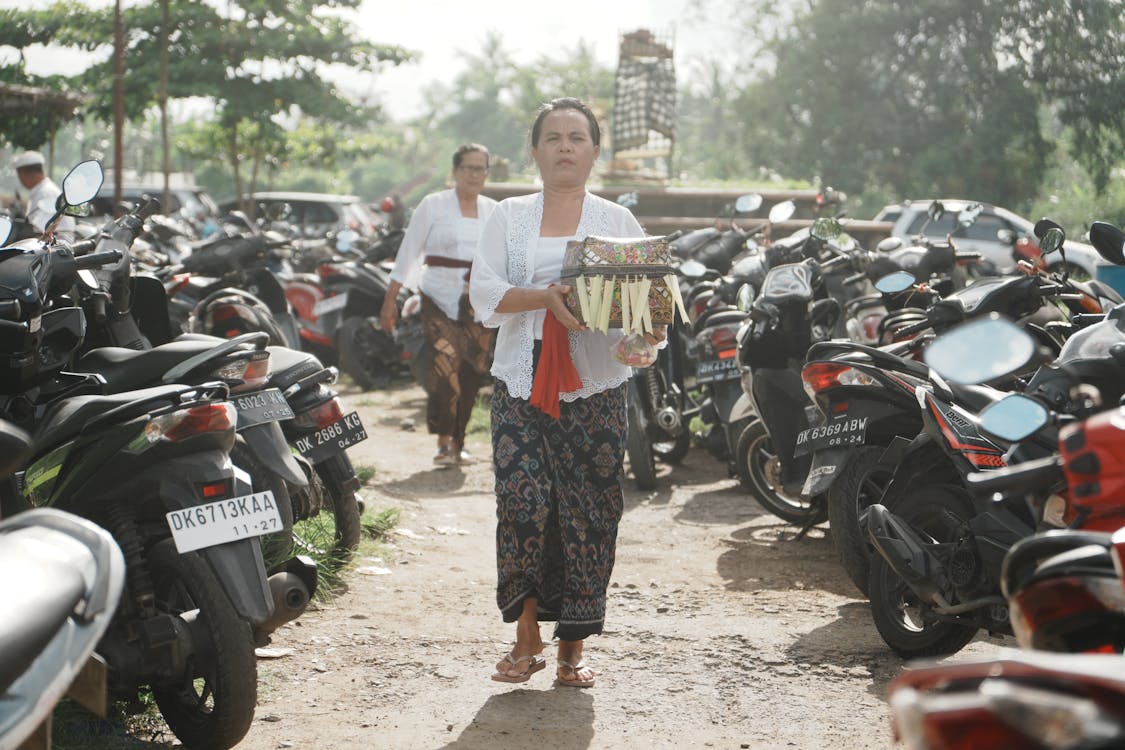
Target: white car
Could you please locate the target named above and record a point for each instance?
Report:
(994, 235)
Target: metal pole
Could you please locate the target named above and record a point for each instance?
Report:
(118, 105)
(165, 30)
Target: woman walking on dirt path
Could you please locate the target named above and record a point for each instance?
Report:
(557, 442)
(435, 256)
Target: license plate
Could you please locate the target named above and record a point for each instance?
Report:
(341, 434)
(837, 433)
(223, 521)
(260, 407)
(717, 369)
(328, 304)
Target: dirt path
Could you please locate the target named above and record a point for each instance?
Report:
(722, 631)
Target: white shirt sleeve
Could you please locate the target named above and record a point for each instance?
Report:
(408, 261)
(489, 280)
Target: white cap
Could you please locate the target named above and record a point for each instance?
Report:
(29, 159)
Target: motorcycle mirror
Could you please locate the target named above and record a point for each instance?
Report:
(1109, 241)
(826, 229)
(782, 211)
(692, 269)
(745, 299)
(5, 230)
(1051, 241)
(980, 350)
(1043, 225)
(81, 184)
(1014, 417)
(345, 238)
(936, 211)
(968, 215)
(1007, 236)
(893, 283)
(629, 200)
(747, 203)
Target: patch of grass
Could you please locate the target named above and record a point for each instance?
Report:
(127, 725)
(365, 473)
(480, 421)
(316, 536)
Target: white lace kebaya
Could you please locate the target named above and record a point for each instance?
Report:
(507, 257)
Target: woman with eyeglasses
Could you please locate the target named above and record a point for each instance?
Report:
(434, 258)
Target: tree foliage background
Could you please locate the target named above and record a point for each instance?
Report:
(1016, 102)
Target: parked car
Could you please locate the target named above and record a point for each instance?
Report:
(994, 234)
(192, 203)
(316, 214)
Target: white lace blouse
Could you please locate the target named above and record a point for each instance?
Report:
(437, 228)
(507, 257)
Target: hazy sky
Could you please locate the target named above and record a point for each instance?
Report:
(441, 30)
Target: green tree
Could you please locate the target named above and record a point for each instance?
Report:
(263, 63)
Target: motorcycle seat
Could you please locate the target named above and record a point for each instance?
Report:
(287, 366)
(66, 418)
(129, 369)
(38, 595)
(719, 317)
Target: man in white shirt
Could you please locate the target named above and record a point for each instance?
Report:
(43, 194)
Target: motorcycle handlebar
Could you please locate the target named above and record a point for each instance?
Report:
(148, 207)
(855, 278)
(83, 247)
(96, 260)
(1031, 475)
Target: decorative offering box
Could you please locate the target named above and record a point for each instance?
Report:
(622, 282)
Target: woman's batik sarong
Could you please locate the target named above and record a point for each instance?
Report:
(559, 500)
(462, 351)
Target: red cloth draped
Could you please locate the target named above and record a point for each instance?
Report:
(555, 373)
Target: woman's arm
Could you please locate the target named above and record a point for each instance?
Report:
(553, 298)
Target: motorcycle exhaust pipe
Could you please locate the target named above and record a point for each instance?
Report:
(669, 420)
(290, 600)
(291, 587)
(907, 554)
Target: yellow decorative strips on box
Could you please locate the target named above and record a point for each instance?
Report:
(622, 282)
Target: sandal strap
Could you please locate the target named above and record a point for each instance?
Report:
(511, 659)
(573, 667)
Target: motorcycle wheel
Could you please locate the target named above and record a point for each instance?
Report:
(638, 444)
(861, 483)
(341, 503)
(362, 350)
(759, 470)
(213, 705)
(901, 618)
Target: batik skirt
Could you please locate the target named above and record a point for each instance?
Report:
(559, 501)
(462, 351)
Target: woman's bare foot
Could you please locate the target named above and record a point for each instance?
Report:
(571, 670)
(529, 642)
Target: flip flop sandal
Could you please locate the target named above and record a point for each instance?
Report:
(535, 663)
(574, 668)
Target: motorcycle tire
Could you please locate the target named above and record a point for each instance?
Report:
(861, 482)
(213, 705)
(363, 352)
(673, 450)
(900, 617)
(759, 471)
(342, 504)
(638, 444)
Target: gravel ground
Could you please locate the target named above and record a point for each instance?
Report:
(723, 629)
